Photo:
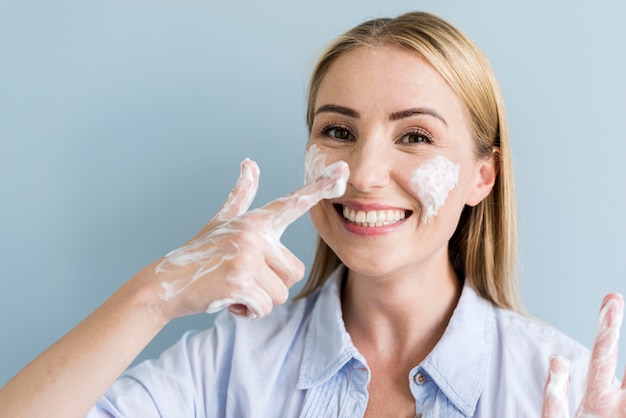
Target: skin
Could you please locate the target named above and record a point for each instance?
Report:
(386, 112)
(602, 399)
(354, 123)
(67, 379)
(400, 291)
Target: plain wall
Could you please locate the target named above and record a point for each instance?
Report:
(122, 125)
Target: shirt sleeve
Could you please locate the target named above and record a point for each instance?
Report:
(186, 380)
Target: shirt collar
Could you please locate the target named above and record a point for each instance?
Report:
(458, 363)
(327, 344)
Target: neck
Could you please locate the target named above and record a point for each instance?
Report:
(400, 316)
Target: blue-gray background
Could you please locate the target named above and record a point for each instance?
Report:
(122, 125)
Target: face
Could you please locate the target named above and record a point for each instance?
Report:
(407, 140)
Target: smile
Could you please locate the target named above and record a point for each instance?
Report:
(374, 218)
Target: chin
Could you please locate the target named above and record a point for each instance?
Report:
(366, 264)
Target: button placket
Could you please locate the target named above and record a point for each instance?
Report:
(421, 392)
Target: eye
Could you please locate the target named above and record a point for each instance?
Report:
(416, 137)
(338, 132)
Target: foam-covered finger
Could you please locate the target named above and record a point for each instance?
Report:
(286, 265)
(256, 300)
(241, 310)
(274, 286)
(242, 195)
(329, 185)
(605, 349)
(555, 403)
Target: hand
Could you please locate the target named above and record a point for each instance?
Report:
(602, 398)
(237, 260)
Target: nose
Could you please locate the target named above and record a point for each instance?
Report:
(369, 168)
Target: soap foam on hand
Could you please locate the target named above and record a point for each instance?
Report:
(315, 167)
(339, 171)
(251, 236)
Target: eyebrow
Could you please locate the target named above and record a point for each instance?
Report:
(417, 111)
(342, 110)
(402, 114)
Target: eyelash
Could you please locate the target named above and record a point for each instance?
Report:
(426, 137)
(326, 131)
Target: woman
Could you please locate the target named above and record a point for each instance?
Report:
(412, 306)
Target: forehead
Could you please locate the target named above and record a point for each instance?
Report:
(386, 77)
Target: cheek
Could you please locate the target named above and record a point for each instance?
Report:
(315, 213)
(320, 220)
(431, 183)
(315, 162)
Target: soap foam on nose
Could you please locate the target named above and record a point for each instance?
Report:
(315, 167)
(340, 172)
(210, 251)
(432, 181)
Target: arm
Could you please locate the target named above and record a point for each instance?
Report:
(236, 261)
(602, 398)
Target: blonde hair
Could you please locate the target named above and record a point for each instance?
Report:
(483, 249)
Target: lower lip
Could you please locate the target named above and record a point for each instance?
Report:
(371, 230)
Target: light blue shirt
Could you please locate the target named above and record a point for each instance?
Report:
(299, 361)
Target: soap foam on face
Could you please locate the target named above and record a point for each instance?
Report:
(315, 167)
(216, 247)
(432, 181)
(314, 164)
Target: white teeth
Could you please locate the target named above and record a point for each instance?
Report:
(373, 217)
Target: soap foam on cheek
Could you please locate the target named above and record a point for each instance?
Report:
(314, 164)
(432, 181)
(315, 168)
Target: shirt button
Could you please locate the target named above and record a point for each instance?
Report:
(419, 378)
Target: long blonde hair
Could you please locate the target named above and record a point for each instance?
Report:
(483, 249)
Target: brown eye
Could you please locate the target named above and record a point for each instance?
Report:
(416, 138)
(339, 133)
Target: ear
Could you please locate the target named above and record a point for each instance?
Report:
(485, 178)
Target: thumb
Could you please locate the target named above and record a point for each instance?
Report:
(242, 195)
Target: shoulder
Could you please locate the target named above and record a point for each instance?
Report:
(196, 373)
(524, 334)
(522, 350)
(230, 336)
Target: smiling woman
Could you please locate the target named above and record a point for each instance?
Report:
(449, 103)
(412, 308)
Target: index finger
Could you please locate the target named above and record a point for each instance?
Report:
(605, 348)
(330, 184)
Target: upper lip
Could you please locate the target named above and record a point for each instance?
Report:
(366, 207)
